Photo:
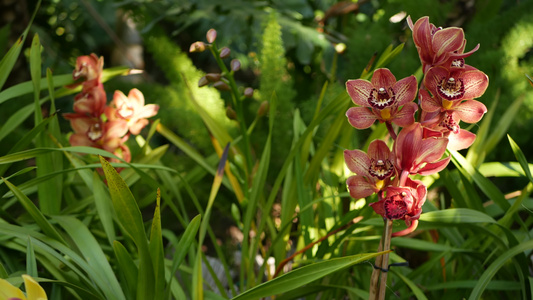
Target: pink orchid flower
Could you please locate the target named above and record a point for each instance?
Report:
(402, 203)
(132, 110)
(419, 154)
(437, 45)
(373, 169)
(384, 95)
(456, 84)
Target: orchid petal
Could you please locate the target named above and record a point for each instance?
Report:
(475, 84)
(431, 149)
(148, 111)
(360, 117)
(359, 90)
(359, 187)
(116, 128)
(357, 161)
(378, 149)
(383, 78)
(428, 103)
(135, 128)
(405, 90)
(461, 140)
(470, 111)
(432, 168)
(447, 40)
(411, 228)
(406, 116)
(433, 78)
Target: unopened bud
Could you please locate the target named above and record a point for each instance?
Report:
(263, 108)
(203, 81)
(224, 52)
(230, 113)
(248, 92)
(197, 47)
(235, 65)
(211, 35)
(213, 77)
(221, 86)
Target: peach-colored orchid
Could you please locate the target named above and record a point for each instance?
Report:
(390, 100)
(93, 132)
(402, 203)
(436, 45)
(373, 170)
(132, 110)
(416, 153)
(33, 290)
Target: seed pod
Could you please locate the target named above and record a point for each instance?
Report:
(263, 108)
(213, 77)
(235, 65)
(248, 92)
(197, 47)
(203, 81)
(211, 35)
(224, 52)
(221, 86)
(230, 113)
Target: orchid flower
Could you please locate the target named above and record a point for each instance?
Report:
(452, 84)
(33, 290)
(91, 101)
(384, 95)
(437, 45)
(89, 67)
(402, 203)
(132, 110)
(416, 154)
(373, 169)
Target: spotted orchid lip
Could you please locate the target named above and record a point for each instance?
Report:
(451, 88)
(380, 168)
(95, 132)
(382, 98)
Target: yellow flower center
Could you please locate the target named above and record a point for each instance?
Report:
(380, 184)
(447, 104)
(385, 113)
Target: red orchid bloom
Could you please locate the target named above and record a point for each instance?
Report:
(373, 170)
(436, 45)
(132, 110)
(416, 154)
(455, 84)
(384, 95)
(91, 101)
(402, 203)
(93, 132)
(89, 67)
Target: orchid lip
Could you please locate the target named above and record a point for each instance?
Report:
(380, 169)
(381, 98)
(95, 132)
(451, 89)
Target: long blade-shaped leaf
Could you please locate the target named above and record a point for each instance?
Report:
(303, 275)
(156, 250)
(521, 158)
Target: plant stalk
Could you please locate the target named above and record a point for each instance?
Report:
(378, 281)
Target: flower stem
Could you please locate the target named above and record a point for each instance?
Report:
(378, 284)
(391, 130)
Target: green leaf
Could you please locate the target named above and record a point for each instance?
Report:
(104, 207)
(35, 213)
(93, 254)
(127, 268)
(521, 158)
(425, 245)
(156, 250)
(502, 259)
(456, 216)
(416, 290)
(182, 248)
(9, 60)
(130, 218)
(31, 262)
(35, 71)
(24, 88)
(303, 275)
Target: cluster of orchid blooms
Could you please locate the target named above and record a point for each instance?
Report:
(97, 124)
(446, 97)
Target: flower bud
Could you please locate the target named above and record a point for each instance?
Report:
(197, 47)
(248, 92)
(224, 52)
(235, 65)
(213, 77)
(230, 113)
(263, 108)
(221, 86)
(203, 81)
(211, 35)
